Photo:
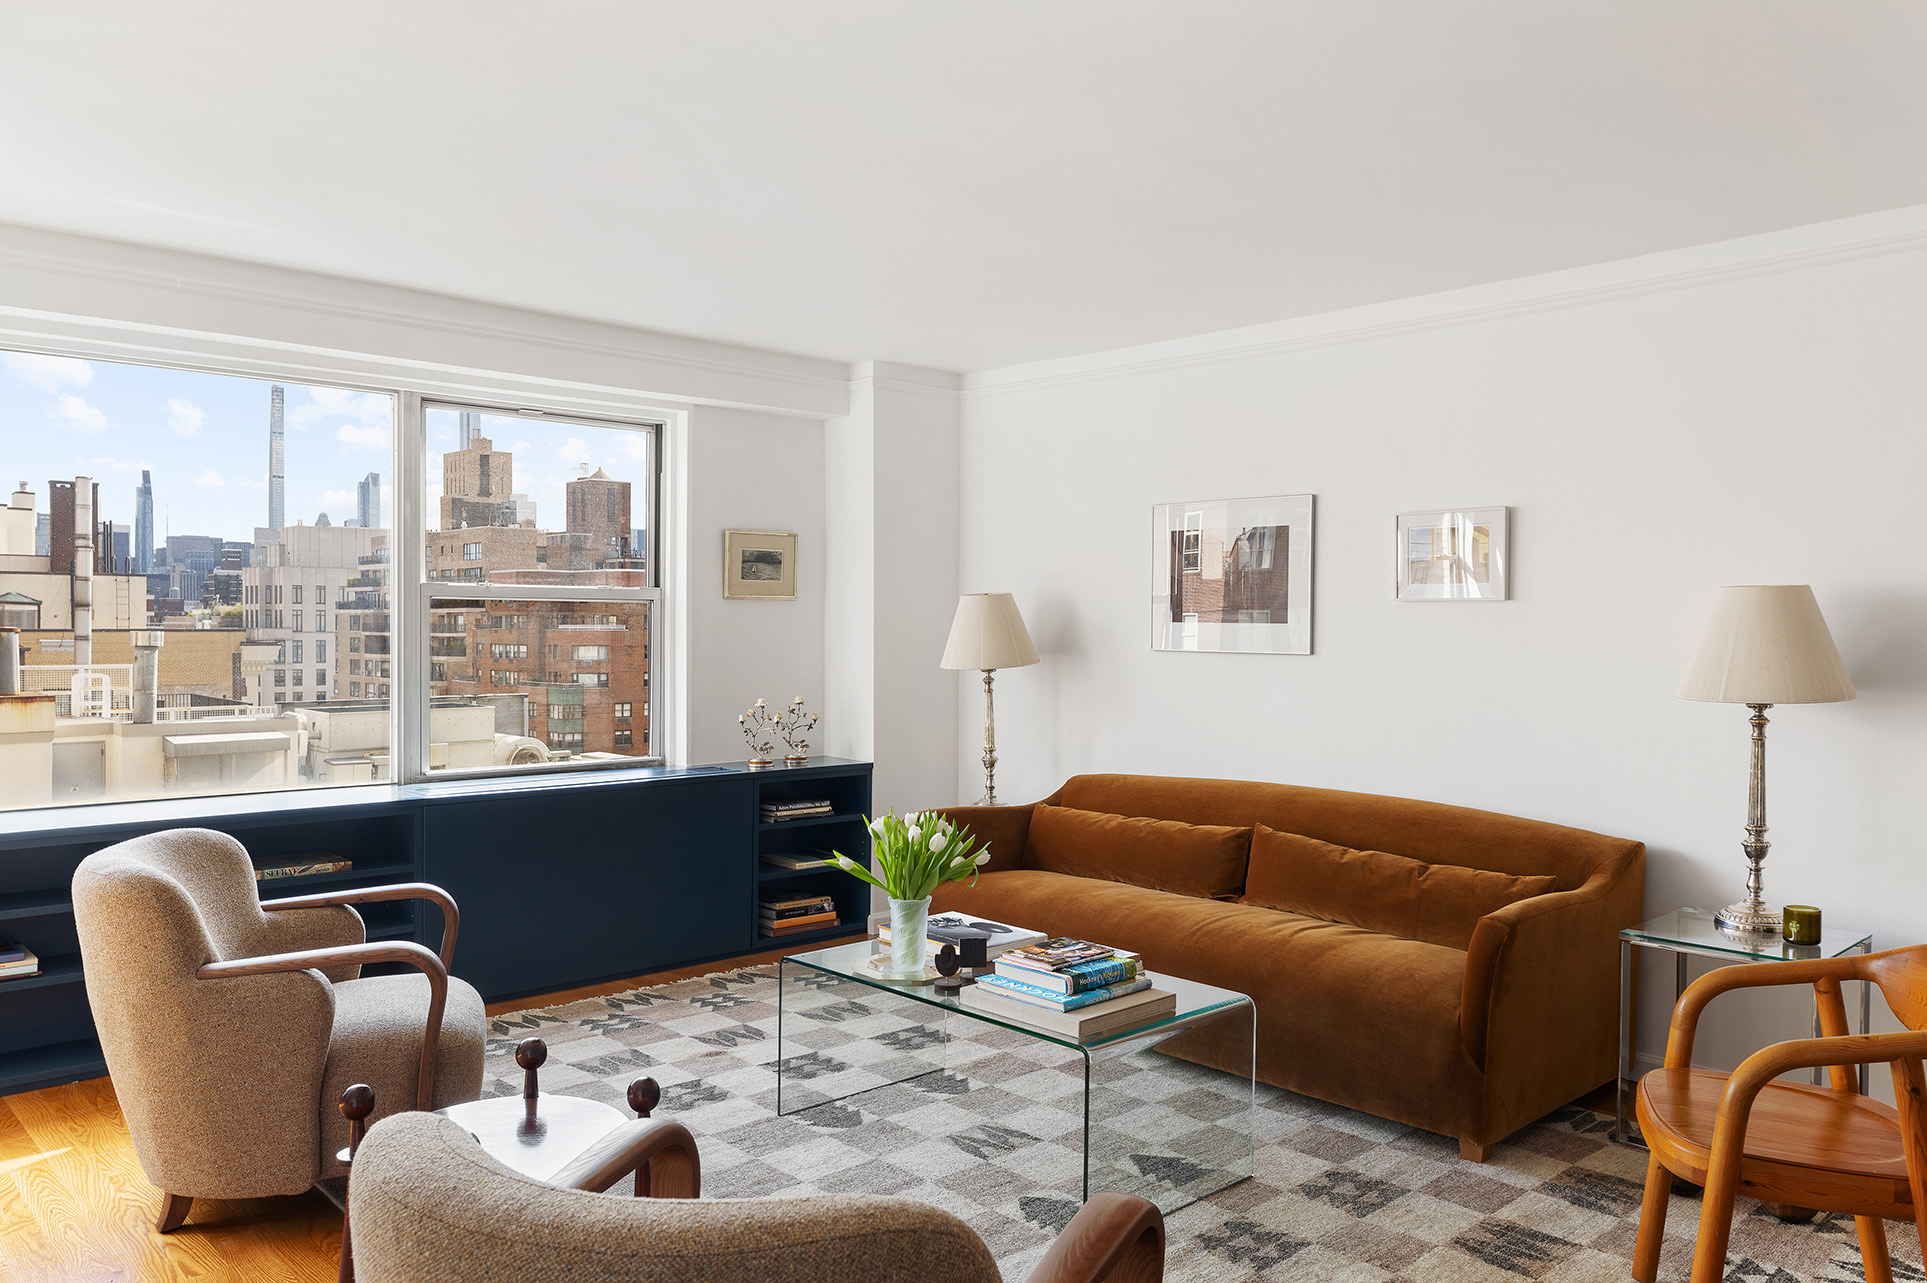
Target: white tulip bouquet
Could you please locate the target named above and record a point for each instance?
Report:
(916, 854)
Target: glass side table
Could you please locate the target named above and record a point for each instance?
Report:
(1691, 932)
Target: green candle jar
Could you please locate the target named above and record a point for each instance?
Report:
(1801, 924)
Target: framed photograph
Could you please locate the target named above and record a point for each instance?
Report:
(759, 563)
(1232, 575)
(1452, 554)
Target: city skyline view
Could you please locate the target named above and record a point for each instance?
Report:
(205, 438)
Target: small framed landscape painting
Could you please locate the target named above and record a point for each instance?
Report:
(1232, 575)
(759, 563)
(1452, 554)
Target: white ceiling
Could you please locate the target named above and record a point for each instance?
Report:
(957, 183)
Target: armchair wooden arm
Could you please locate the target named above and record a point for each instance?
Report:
(357, 954)
(665, 1149)
(1116, 1237)
(1826, 975)
(451, 916)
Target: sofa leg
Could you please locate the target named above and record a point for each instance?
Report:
(1473, 1152)
(174, 1209)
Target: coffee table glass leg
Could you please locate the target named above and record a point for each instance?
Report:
(1170, 1129)
(1624, 1082)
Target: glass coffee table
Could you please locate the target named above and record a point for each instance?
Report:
(1146, 1122)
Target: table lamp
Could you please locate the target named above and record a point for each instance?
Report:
(988, 634)
(1763, 646)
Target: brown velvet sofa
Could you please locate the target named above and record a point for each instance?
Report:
(1452, 969)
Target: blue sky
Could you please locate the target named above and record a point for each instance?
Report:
(205, 437)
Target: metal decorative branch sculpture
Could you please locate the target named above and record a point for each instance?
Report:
(793, 724)
(757, 723)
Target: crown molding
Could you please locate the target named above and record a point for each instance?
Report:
(1818, 245)
(62, 290)
(916, 380)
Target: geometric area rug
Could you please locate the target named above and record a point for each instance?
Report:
(1338, 1195)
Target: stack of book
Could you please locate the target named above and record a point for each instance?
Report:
(783, 915)
(795, 809)
(1071, 987)
(17, 961)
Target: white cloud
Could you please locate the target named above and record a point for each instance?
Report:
(210, 478)
(636, 445)
(112, 464)
(49, 373)
(518, 447)
(363, 438)
(184, 417)
(80, 414)
(370, 409)
(574, 450)
(259, 482)
(338, 499)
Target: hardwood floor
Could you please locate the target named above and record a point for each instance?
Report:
(75, 1207)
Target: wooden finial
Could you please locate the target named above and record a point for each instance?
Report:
(644, 1095)
(531, 1054)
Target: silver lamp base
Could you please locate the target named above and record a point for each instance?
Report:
(1748, 918)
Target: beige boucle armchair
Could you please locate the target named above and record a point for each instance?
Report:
(231, 1026)
(429, 1206)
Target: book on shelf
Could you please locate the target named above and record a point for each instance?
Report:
(816, 922)
(1039, 996)
(776, 812)
(303, 867)
(823, 904)
(17, 962)
(796, 906)
(805, 911)
(792, 860)
(1094, 1021)
(947, 928)
(1078, 977)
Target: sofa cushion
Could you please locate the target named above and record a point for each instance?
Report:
(1435, 903)
(1206, 860)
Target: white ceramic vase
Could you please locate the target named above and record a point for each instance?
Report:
(908, 921)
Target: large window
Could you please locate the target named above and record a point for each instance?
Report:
(541, 562)
(277, 610)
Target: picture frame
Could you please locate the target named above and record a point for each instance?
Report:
(1233, 575)
(759, 565)
(1453, 554)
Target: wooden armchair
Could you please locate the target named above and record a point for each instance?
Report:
(1821, 1147)
(429, 1206)
(231, 1026)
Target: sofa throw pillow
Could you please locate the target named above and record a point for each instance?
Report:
(1206, 860)
(1392, 894)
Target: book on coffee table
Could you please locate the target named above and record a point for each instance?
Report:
(1086, 1022)
(946, 928)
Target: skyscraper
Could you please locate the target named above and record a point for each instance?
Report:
(470, 429)
(277, 460)
(368, 501)
(144, 523)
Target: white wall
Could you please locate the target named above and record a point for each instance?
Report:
(751, 471)
(1750, 415)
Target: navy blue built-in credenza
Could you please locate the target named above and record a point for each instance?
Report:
(562, 879)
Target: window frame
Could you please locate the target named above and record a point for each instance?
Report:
(414, 592)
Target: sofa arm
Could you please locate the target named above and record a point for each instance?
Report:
(1006, 829)
(1539, 1009)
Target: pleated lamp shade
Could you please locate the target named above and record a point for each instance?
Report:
(1766, 645)
(988, 633)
